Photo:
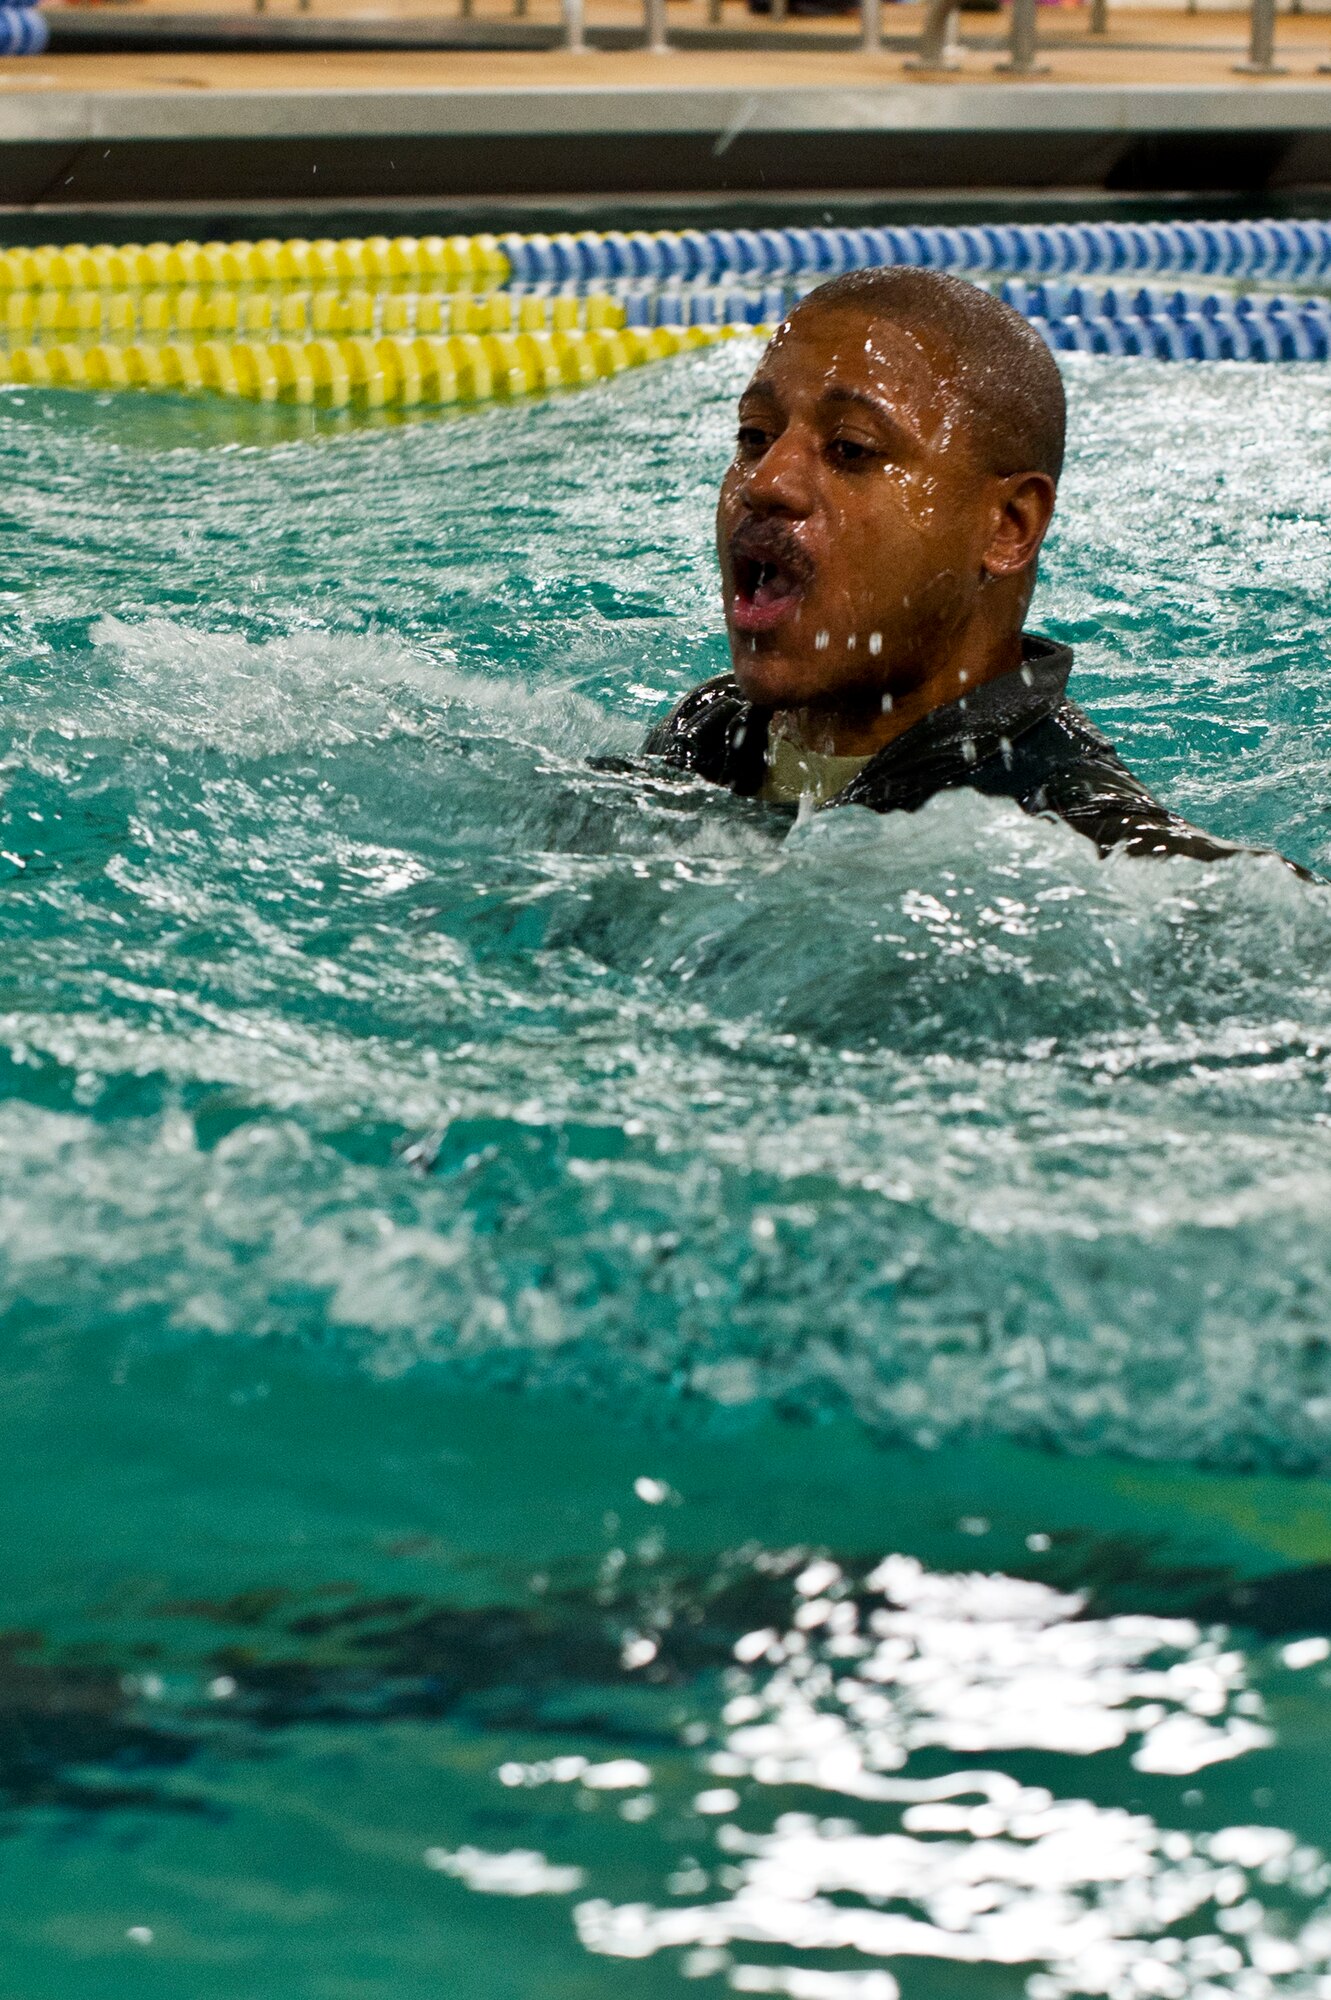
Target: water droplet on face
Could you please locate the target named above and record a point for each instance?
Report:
(821, 641)
(1028, 676)
(968, 748)
(875, 643)
(963, 676)
(850, 643)
(887, 704)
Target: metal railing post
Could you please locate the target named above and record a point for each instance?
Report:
(937, 47)
(1261, 42)
(658, 39)
(1022, 42)
(575, 37)
(871, 23)
(1099, 17)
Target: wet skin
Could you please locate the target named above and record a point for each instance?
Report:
(874, 567)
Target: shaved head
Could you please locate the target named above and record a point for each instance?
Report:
(1006, 376)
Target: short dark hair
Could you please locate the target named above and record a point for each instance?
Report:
(1006, 373)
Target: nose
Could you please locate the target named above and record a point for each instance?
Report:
(782, 480)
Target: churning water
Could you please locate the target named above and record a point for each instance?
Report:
(598, 1393)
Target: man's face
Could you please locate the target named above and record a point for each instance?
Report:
(854, 519)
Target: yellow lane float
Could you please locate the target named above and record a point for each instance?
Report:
(377, 321)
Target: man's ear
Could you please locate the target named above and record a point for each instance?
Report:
(1024, 506)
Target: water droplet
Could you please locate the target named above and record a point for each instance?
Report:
(887, 704)
(850, 643)
(875, 643)
(1028, 676)
(821, 641)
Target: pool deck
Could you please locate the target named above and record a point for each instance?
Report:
(1156, 104)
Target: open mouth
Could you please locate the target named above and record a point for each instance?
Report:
(770, 573)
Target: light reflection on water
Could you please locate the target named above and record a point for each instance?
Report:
(969, 1865)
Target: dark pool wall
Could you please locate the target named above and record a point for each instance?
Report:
(448, 165)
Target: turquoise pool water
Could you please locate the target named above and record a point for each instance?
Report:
(600, 1402)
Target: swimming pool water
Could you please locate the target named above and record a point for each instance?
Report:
(598, 1399)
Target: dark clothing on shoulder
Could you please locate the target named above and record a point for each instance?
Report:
(1017, 737)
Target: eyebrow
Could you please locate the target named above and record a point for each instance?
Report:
(834, 399)
(861, 399)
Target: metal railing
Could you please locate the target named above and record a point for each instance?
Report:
(938, 47)
(1261, 42)
(1023, 42)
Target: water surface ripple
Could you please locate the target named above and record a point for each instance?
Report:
(343, 1001)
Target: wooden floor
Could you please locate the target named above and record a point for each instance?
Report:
(1205, 48)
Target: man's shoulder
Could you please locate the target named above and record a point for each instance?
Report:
(1066, 765)
(703, 707)
(714, 732)
(1086, 783)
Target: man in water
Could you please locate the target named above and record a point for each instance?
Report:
(879, 528)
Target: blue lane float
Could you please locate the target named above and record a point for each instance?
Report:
(1160, 322)
(1260, 250)
(23, 31)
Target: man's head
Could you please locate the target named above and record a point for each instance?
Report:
(898, 452)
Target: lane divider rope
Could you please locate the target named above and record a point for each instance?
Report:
(1253, 250)
(388, 370)
(433, 319)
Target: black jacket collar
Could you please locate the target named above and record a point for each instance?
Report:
(726, 737)
(947, 746)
